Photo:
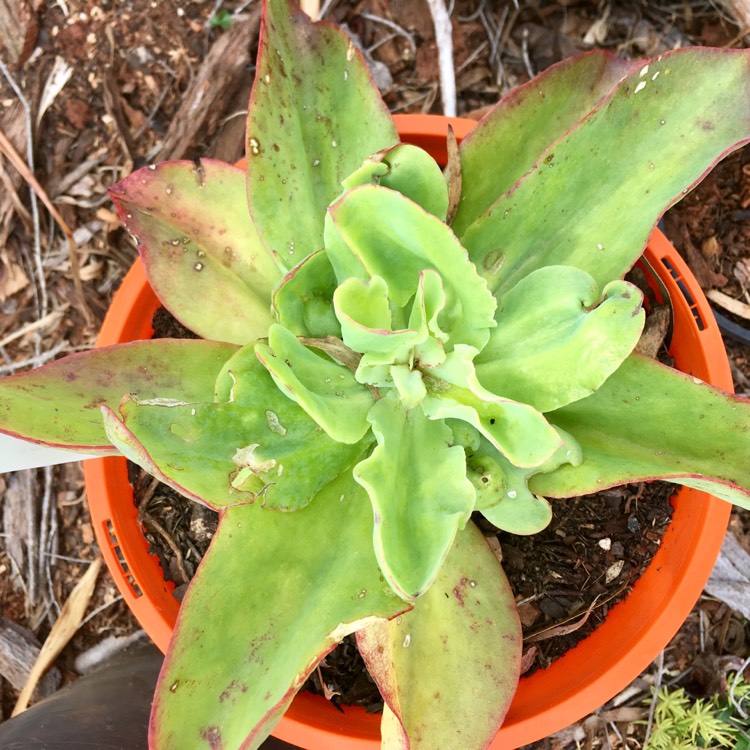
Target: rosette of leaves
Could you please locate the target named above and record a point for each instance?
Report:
(380, 359)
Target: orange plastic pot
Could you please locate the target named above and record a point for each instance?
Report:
(591, 673)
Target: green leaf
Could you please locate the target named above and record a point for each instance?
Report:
(557, 340)
(527, 120)
(303, 302)
(429, 302)
(503, 495)
(208, 267)
(419, 492)
(449, 668)
(595, 209)
(58, 404)
(390, 357)
(364, 313)
(222, 20)
(409, 384)
(324, 389)
(374, 231)
(314, 116)
(410, 171)
(651, 422)
(518, 431)
(252, 442)
(416, 175)
(261, 612)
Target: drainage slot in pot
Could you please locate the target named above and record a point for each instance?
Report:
(686, 294)
(124, 567)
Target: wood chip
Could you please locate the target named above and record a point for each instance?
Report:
(740, 12)
(528, 658)
(711, 248)
(655, 331)
(59, 75)
(741, 271)
(624, 714)
(12, 277)
(18, 515)
(613, 571)
(731, 304)
(204, 103)
(19, 650)
(730, 578)
(18, 30)
(311, 7)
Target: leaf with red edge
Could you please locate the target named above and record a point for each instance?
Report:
(651, 422)
(593, 196)
(201, 250)
(448, 669)
(266, 605)
(252, 442)
(314, 116)
(59, 404)
(522, 125)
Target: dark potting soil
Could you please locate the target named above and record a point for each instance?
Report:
(565, 579)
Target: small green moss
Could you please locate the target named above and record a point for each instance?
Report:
(681, 722)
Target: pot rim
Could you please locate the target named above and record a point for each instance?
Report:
(579, 682)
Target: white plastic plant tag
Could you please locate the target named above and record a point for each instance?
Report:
(17, 454)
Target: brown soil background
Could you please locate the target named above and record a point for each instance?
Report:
(102, 87)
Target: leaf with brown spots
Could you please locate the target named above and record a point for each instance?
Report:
(455, 655)
(651, 422)
(59, 404)
(592, 198)
(263, 610)
(203, 256)
(314, 116)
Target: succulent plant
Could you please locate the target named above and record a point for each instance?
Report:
(387, 349)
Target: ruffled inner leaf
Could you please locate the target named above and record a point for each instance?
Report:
(557, 340)
(419, 492)
(327, 391)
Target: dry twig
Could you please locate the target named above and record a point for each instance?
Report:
(444, 40)
(563, 628)
(9, 150)
(62, 631)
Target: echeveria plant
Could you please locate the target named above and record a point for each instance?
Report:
(387, 349)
